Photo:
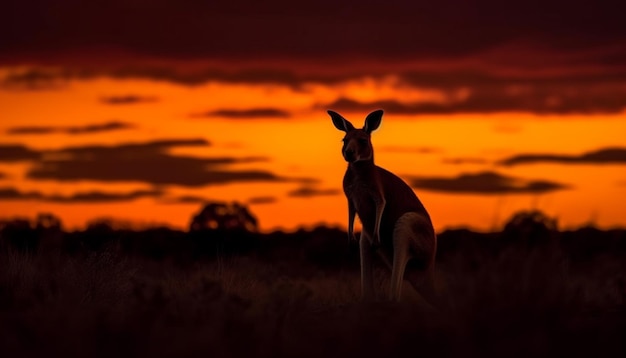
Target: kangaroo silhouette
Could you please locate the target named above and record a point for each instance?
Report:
(395, 224)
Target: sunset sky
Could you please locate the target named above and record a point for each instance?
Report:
(143, 110)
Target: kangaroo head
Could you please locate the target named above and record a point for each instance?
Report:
(357, 143)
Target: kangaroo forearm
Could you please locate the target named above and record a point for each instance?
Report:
(380, 207)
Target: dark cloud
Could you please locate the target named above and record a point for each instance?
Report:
(390, 106)
(8, 193)
(43, 78)
(94, 128)
(33, 80)
(579, 91)
(101, 197)
(506, 97)
(16, 153)
(309, 191)
(465, 160)
(186, 199)
(601, 156)
(553, 57)
(148, 162)
(576, 91)
(127, 99)
(253, 113)
(144, 162)
(485, 183)
(195, 199)
(319, 29)
(262, 200)
(72, 130)
(36, 79)
(14, 194)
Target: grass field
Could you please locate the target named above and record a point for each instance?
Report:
(298, 296)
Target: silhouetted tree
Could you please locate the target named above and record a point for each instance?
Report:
(48, 221)
(19, 234)
(531, 227)
(49, 228)
(224, 217)
(99, 233)
(223, 228)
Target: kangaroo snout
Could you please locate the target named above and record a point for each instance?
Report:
(349, 155)
(356, 147)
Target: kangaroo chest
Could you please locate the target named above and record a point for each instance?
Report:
(363, 194)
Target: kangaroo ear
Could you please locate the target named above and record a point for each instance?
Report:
(372, 121)
(340, 123)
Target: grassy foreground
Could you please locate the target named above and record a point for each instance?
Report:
(514, 301)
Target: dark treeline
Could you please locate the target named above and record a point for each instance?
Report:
(233, 231)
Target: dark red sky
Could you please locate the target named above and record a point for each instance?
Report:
(574, 50)
(310, 30)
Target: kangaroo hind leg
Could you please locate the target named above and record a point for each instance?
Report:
(416, 232)
(402, 237)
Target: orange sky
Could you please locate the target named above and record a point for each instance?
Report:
(305, 145)
(143, 110)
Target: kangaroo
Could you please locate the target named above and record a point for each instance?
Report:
(395, 224)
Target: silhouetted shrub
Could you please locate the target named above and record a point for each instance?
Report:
(50, 231)
(223, 229)
(48, 222)
(19, 234)
(224, 217)
(531, 228)
(99, 233)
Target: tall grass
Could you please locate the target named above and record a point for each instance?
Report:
(516, 302)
